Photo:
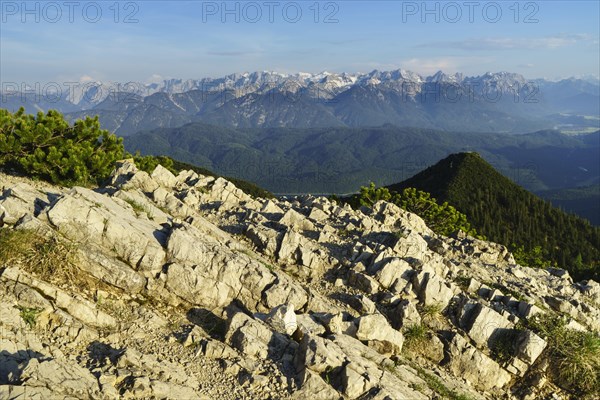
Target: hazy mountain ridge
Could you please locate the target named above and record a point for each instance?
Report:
(502, 102)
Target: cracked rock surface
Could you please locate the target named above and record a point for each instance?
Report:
(185, 287)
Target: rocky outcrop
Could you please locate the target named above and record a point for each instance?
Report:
(475, 367)
(183, 286)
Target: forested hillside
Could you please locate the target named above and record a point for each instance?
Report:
(508, 214)
(340, 160)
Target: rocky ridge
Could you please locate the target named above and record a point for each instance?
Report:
(185, 287)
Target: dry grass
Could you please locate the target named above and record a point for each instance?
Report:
(432, 315)
(50, 258)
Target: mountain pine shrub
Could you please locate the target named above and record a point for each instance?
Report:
(441, 218)
(46, 146)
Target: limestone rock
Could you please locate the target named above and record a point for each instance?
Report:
(31, 298)
(354, 381)
(168, 201)
(394, 272)
(318, 355)
(283, 319)
(124, 170)
(375, 328)
(432, 290)
(312, 386)
(363, 282)
(164, 177)
(362, 304)
(405, 314)
(474, 366)
(20, 200)
(61, 378)
(110, 270)
(412, 245)
(339, 322)
(485, 325)
(295, 220)
(126, 176)
(253, 338)
(226, 194)
(173, 260)
(83, 213)
(216, 349)
(265, 239)
(308, 325)
(530, 346)
(81, 309)
(592, 289)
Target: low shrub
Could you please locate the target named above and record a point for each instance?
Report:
(46, 146)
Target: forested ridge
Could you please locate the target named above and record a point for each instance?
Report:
(506, 213)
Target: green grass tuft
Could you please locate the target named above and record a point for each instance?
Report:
(416, 338)
(574, 355)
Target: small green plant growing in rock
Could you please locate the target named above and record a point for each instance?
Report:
(435, 384)
(29, 315)
(400, 234)
(326, 375)
(267, 266)
(344, 233)
(503, 347)
(417, 387)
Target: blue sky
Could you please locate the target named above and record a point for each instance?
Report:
(151, 40)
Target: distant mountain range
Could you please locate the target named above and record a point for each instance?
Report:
(508, 214)
(493, 102)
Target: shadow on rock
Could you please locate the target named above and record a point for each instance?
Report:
(13, 364)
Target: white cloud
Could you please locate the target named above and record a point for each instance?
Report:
(428, 66)
(505, 43)
(86, 79)
(155, 78)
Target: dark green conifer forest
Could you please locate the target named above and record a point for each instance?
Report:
(538, 233)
